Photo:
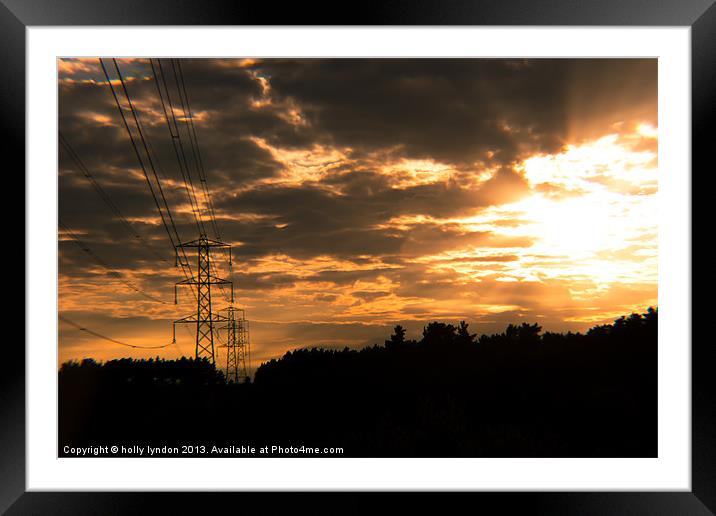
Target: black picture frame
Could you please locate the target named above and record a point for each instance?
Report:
(700, 15)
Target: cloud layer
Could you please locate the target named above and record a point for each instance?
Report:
(360, 193)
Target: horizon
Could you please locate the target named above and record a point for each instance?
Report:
(417, 338)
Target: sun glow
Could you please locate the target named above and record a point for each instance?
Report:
(592, 216)
(575, 227)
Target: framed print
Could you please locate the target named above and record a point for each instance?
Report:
(386, 256)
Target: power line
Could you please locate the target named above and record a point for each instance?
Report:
(105, 197)
(184, 264)
(191, 129)
(146, 148)
(178, 347)
(198, 161)
(189, 120)
(99, 335)
(102, 263)
(177, 144)
(136, 151)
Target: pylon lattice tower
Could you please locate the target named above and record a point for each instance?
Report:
(205, 319)
(237, 344)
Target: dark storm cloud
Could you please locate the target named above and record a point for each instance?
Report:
(457, 110)
(320, 222)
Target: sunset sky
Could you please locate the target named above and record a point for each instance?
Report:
(362, 193)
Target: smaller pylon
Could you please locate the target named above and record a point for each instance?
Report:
(237, 345)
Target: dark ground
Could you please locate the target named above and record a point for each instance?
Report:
(516, 394)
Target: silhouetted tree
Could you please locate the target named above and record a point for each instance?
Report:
(523, 333)
(438, 334)
(397, 339)
(464, 337)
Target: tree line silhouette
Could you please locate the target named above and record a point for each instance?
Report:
(519, 393)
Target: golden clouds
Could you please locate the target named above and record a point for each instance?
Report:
(67, 67)
(601, 229)
(412, 172)
(301, 166)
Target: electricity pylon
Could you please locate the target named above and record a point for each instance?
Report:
(204, 318)
(244, 345)
(237, 344)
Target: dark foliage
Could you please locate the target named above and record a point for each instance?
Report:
(518, 393)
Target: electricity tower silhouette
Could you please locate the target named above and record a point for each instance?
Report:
(205, 319)
(237, 344)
